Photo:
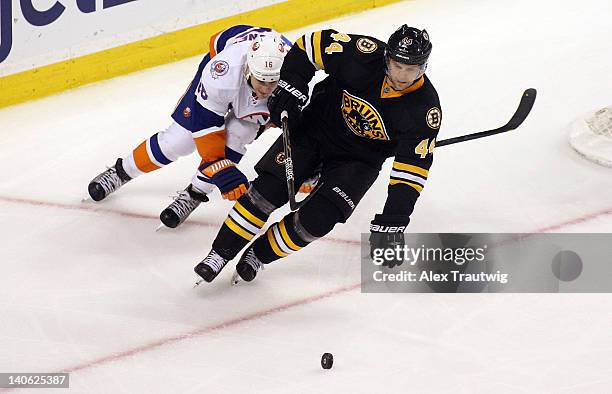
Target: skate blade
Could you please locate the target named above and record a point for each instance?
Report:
(161, 225)
(236, 278)
(86, 199)
(198, 283)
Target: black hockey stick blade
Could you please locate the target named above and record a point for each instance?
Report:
(524, 107)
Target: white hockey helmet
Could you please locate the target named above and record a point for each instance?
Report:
(265, 57)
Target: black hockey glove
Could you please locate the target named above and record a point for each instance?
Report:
(387, 232)
(290, 98)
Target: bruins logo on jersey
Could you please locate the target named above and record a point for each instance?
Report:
(362, 118)
(434, 118)
(366, 45)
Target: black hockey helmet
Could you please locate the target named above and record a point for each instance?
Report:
(409, 45)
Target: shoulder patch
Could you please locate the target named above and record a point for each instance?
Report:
(434, 118)
(219, 68)
(366, 45)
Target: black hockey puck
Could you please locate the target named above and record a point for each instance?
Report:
(327, 360)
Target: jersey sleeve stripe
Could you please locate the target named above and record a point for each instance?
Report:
(410, 168)
(308, 43)
(286, 41)
(212, 47)
(225, 35)
(316, 44)
(415, 186)
(300, 43)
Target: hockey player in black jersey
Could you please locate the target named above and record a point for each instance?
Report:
(375, 103)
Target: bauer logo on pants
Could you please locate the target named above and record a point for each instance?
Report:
(362, 118)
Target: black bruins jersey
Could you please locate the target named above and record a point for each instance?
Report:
(361, 115)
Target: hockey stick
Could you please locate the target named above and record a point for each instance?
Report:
(521, 113)
(517, 119)
(293, 204)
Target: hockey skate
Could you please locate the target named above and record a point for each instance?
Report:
(182, 206)
(210, 267)
(247, 267)
(108, 181)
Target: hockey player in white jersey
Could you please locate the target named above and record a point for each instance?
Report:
(221, 112)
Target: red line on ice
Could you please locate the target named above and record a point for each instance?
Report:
(94, 207)
(91, 207)
(209, 329)
(581, 219)
(239, 320)
(203, 331)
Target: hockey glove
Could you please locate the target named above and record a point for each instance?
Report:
(387, 232)
(290, 98)
(223, 173)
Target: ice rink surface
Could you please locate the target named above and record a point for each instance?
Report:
(91, 288)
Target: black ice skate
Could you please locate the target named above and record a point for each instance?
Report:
(182, 206)
(247, 267)
(108, 181)
(209, 268)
